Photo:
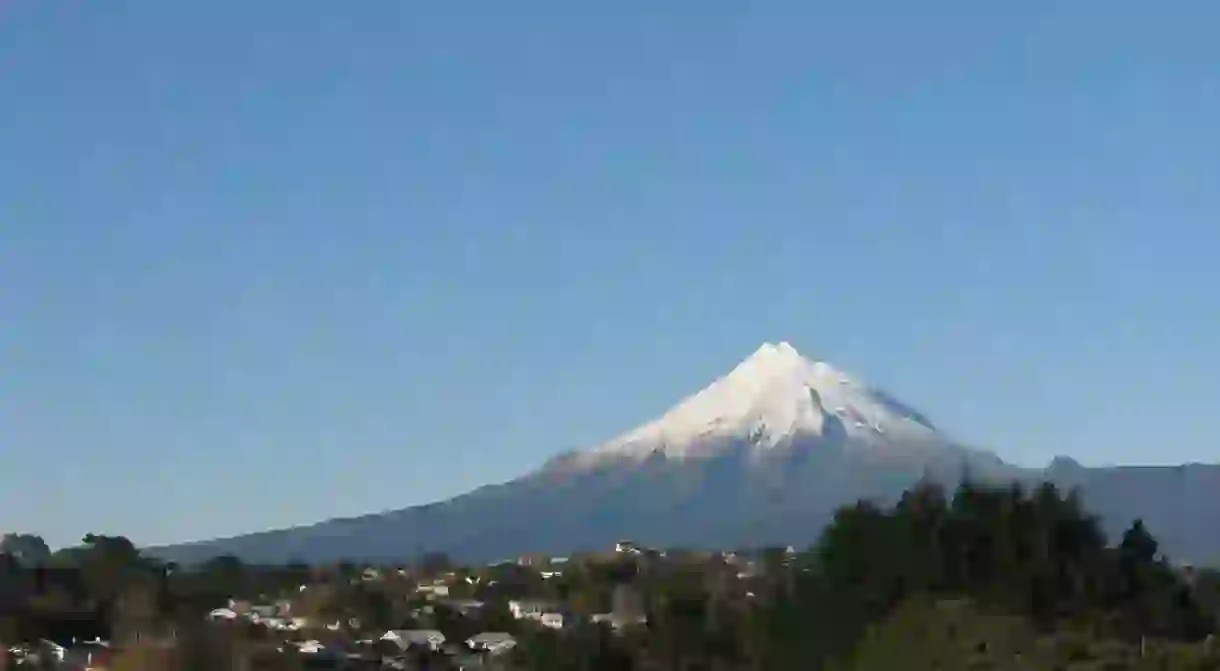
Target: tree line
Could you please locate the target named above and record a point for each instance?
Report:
(980, 569)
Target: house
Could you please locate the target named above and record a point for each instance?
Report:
(17, 654)
(433, 590)
(310, 647)
(491, 642)
(619, 621)
(466, 607)
(82, 655)
(406, 638)
(89, 655)
(262, 612)
(627, 547)
(277, 623)
(528, 609)
(552, 620)
(226, 614)
(315, 648)
(53, 650)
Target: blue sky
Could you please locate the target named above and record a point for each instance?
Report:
(266, 263)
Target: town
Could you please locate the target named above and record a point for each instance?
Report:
(979, 573)
(429, 615)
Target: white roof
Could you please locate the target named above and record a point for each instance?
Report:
(419, 635)
(490, 637)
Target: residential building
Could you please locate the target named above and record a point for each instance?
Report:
(406, 638)
(222, 614)
(492, 642)
(466, 607)
(626, 547)
(618, 621)
(529, 609)
(433, 590)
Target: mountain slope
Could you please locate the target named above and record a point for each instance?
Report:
(1179, 504)
(763, 455)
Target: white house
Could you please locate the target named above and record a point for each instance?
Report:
(262, 612)
(526, 609)
(311, 647)
(552, 620)
(466, 607)
(222, 614)
(433, 589)
(406, 638)
(55, 650)
(277, 623)
(618, 620)
(492, 642)
(626, 547)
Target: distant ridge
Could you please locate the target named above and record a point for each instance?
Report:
(762, 455)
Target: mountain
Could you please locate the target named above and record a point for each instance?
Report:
(773, 400)
(763, 455)
(1179, 504)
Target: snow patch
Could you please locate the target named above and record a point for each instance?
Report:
(767, 401)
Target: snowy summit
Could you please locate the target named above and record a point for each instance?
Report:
(773, 399)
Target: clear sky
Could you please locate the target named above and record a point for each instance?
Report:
(264, 263)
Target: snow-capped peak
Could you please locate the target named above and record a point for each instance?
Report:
(767, 401)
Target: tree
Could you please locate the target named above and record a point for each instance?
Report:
(108, 562)
(136, 612)
(924, 633)
(227, 572)
(145, 656)
(373, 607)
(1138, 547)
(435, 562)
(28, 549)
(1207, 590)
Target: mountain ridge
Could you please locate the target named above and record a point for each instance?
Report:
(762, 455)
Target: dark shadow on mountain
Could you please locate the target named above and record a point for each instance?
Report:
(742, 496)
